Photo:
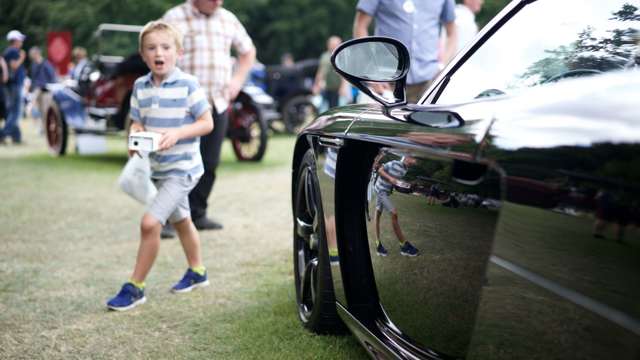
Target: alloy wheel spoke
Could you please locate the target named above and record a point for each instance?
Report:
(310, 194)
(307, 288)
(304, 229)
(301, 264)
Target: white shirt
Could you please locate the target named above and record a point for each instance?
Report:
(466, 26)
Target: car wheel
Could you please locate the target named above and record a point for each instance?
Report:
(56, 130)
(248, 132)
(311, 264)
(298, 112)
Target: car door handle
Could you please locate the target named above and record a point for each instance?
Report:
(331, 142)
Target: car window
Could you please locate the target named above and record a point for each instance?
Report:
(549, 41)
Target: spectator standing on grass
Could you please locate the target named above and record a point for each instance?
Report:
(327, 82)
(4, 77)
(210, 32)
(416, 23)
(286, 60)
(81, 68)
(42, 73)
(170, 102)
(14, 56)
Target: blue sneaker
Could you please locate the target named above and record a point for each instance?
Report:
(128, 298)
(408, 250)
(381, 250)
(191, 280)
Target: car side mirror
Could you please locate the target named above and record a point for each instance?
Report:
(371, 63)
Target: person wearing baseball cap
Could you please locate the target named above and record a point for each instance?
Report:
(15, 35)
(14, 98)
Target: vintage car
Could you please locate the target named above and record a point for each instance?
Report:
(98, 102)
(498, 217)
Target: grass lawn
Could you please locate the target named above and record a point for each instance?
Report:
(68, 242)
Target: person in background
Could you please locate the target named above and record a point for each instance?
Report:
(416, 23)
(14, 56)
(4, 77)
(327, 81)
(170, 102)
(286, 60)
(466, 27)
(42, 73)
(81, 62)
(210, 32)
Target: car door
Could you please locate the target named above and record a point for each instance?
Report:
(564, 267)
(445, 204)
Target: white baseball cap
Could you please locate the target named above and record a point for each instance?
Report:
(15, 35)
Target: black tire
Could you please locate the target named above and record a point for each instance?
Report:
(56, 130)
(247, 130)
(315, 297)
(298, 112)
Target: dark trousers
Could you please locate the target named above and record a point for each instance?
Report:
(14, 102)
(210, 148)
(332, 98)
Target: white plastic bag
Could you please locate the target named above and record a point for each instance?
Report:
(135, 179)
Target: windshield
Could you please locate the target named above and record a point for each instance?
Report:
(549, 41)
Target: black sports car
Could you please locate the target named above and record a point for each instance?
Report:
(496, 219)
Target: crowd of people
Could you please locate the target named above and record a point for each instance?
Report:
(188, 52)
(23, 89)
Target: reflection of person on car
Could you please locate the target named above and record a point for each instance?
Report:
(389, 175)
(609, 210)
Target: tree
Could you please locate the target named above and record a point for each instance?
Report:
(300, 27)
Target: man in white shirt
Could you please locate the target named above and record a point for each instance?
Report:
(466, 21)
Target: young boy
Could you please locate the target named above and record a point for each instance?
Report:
(172, 103)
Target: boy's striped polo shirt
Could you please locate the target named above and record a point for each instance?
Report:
(397, 169)
(177, 102)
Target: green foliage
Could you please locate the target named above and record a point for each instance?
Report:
(300, 27)
(489, 10)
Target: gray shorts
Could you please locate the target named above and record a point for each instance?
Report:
(383, 202)
(172, 201)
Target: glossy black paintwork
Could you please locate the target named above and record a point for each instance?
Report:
(529, 241)
(520, 240)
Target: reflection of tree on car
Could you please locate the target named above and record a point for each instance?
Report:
(607, 42)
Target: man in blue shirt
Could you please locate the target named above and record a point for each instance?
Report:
(416, 23)
(14, 56)
(42, 73)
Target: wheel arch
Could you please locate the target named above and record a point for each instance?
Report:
(303, 143)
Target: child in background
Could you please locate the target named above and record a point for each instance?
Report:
(169, 102)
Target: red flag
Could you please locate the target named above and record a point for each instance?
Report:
(59, 50)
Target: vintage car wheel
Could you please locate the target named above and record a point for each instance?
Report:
(56, 131)
(298, 112)
(314, 288)
(247, 131)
